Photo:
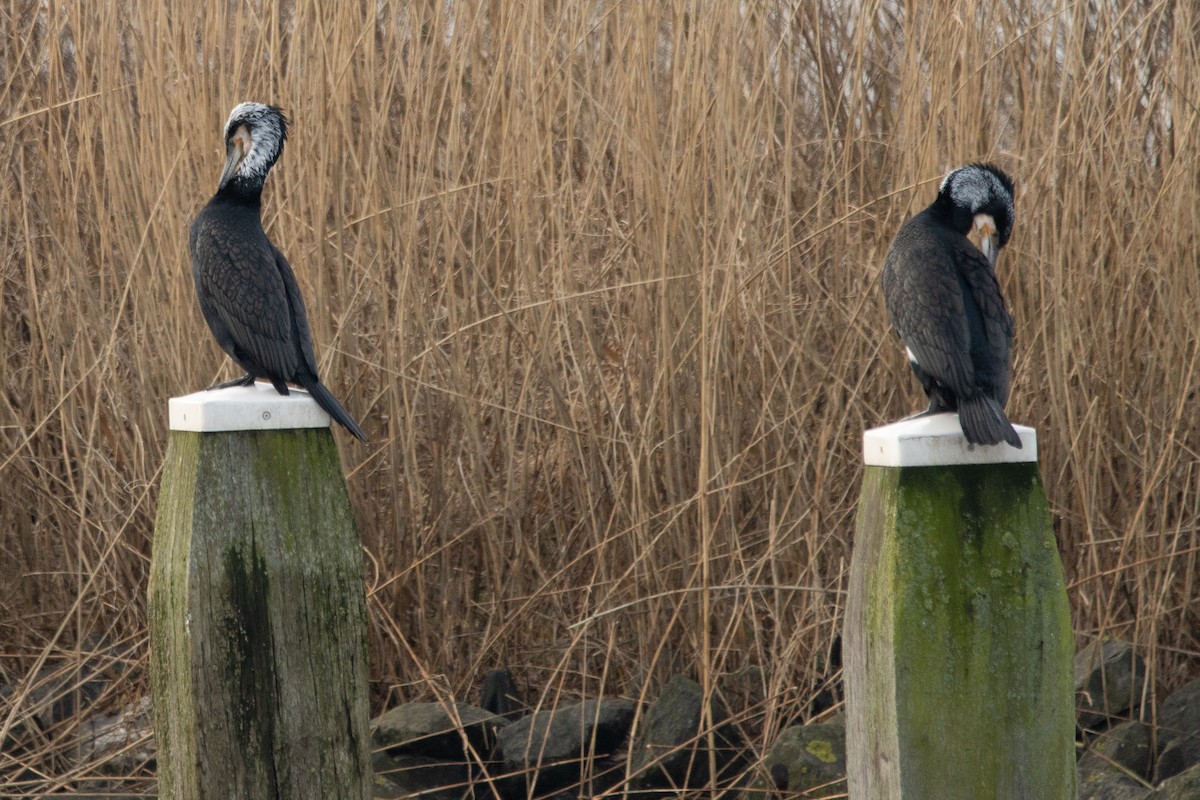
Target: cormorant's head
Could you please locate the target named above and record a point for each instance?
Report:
(979, 196)
(254, 137)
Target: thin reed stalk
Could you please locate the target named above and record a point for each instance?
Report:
(600, 281)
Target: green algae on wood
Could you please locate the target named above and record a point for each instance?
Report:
(958, 638)
(257, 620)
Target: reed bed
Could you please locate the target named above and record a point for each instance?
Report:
(599, 279)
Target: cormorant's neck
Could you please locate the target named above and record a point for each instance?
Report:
(952, 216)
(242, 192)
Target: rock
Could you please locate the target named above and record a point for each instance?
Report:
(1109, 677)
(671, 752)
(607, 773)
(1126, 745)
(1110, 785)
(121, 743)
(428, 729)
(418, 777)
(23, 736)
(807, 757)
(551, 746)
(1179, 732)
(64, 692)
(1184, 786)
(500, 695)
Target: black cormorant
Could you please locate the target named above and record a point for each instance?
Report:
(944, 300)
(247, 291)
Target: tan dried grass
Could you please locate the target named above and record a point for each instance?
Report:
(600, 282)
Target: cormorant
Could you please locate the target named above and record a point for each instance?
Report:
(945, 302)
(246, 288)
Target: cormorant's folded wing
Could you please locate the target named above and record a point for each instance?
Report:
(926, 303)
(242, 288)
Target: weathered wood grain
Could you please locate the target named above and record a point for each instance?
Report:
(958, 639)
(258, 628)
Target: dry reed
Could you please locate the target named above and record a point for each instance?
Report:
(599, 279)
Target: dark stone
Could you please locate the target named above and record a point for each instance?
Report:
(607, 773)
(672, 750)
(1179, 732)
(1184, 786)
(1126, 745)
(428, 729)
(1110, 785)
(23, 737)
(1109, 677)
(549, 748)
(500, 695)
(807, 757)
(418, 776)
(120, 743)
(64, 692)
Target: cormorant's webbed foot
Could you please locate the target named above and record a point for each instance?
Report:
(245, 380)
(937, 405)
(941, 402)
(929, 412)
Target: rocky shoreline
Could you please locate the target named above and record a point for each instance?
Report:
(502, 748)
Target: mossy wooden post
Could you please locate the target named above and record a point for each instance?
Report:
(257, 607)
(958, 644)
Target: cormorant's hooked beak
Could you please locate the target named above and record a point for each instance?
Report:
(989, 243)
(235, 151)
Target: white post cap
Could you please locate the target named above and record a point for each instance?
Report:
(257, 407)
(937, 440)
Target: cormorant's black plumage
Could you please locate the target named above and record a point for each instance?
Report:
(246, 288)
(944, 300)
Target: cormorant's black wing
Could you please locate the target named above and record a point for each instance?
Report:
(925, 300)
(992, 361)
(300, 330)
(243, 292)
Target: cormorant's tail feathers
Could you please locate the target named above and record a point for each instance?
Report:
(983, 421)
(333, 408)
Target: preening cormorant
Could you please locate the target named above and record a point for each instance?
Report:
(944, 300)
(247, 291)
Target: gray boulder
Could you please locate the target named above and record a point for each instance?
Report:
(1126, 745)
(1109, 677)
(1184, 786)
(23, 735)
(1111, 785)
(418, 777)
(804, 758)
(1179, 732)
(121, 743)
(549, 748)
(672, 748)
(430, 730)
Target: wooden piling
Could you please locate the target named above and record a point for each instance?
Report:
(257, 607)
(958, 642)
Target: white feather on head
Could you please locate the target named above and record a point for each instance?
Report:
(267, 127)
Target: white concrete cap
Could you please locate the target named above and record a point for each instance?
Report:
(938, 440)
(245, 408)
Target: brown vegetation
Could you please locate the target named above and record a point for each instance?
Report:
(600, 282)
